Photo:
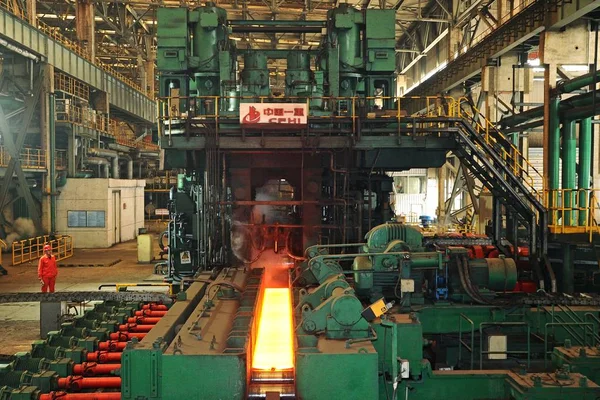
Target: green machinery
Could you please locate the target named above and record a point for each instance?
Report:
(490, 343)
(197, 58)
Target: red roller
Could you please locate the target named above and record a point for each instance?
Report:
(150, 313)
(155, 307)
(112, 345)
(135, 328)
(77, 383)
(144, 320)
(104, 357)
(126, 336)
(94, 369)
(80, 396)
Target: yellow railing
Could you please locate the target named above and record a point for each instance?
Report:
(72, 86)
(54, 32)
(518, 163)
(3, 245)
(34, 158)
(30, 250)
(573, 210)
(85, 117)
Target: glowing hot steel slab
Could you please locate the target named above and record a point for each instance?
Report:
(274, 346)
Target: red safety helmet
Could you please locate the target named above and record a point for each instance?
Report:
(47, 247)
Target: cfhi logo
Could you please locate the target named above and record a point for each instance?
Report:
(252, 117)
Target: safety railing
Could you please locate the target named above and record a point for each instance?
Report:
(470, 347)
(573, 210)
(510, 153)
(517, 7)
(162, 183)
(3, 246)
(54, 33)
(28, 250)
(83, 116)
(72, 86)
(14, 7)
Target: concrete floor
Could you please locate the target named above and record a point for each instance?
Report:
(19, 322)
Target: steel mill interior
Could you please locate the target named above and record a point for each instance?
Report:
(297, 199)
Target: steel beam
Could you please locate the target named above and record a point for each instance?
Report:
(14, 144)
(123, 98)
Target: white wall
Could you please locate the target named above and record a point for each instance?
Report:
(97, 195)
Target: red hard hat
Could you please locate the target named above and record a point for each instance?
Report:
(47, 247)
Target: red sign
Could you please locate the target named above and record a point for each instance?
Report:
(273, 113)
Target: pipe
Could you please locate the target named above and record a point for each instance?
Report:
(155, 307)
(104, 357)
(577, 83)
(584, 167)
(99, 161)
(569, 151)
(125, 336)
(19, 50)
(119, 147)
(112, 346)
(150, 313)
(77, 383)
(108, 154)
(135, 328)
(129, 165)
(80, 396)
(95, 369)
(148, 154)
(52, 169)
(144, 320)
(553, 149)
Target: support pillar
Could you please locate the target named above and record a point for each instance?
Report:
(584, 168)
(86, 26)
(552, 155)
(32, 12)
(569, 152)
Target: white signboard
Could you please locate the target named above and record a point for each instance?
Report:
(273, 113)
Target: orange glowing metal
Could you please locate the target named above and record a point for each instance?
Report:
(274, 349)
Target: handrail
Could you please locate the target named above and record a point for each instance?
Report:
(32, 249)
(577, 215)
(32, 158)
(460, 341)
(518, 162)
(562, 324)
(54, 33)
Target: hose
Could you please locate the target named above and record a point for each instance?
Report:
(463, 281)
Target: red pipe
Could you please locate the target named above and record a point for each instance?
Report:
(76, 383)
(150, 313)
(94, 369)
(144, 320)
(155, 307)
(112, 345)
(135, 328)
(80, 396)
(126, 336)
(104, 357)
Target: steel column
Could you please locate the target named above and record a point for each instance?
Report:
(569, 152)
(584, 167)
(14, 144)
(553, 150)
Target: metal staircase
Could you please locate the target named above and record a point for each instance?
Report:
(498, 164)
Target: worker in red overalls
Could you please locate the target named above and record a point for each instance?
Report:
(47, 270)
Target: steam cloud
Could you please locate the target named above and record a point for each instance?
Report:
(23, 228)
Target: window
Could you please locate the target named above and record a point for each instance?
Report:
(85, 219)
(410, 184)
